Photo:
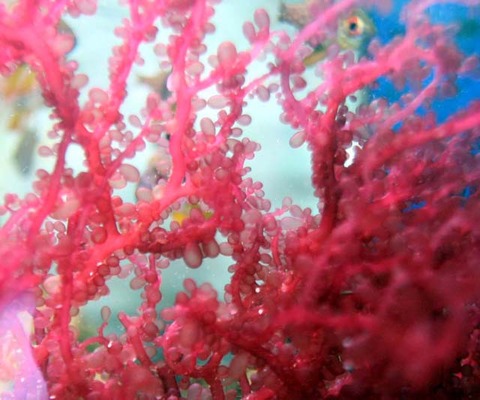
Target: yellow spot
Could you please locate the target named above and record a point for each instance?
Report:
(20, 82)
(183, 213)
(318, 54)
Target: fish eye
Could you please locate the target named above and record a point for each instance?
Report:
(354, 25)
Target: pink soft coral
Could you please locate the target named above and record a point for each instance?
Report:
(373, 295)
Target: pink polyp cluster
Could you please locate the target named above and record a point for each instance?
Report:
(373, 294)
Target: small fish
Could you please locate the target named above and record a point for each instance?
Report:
(149, 187)
(66, 31)
(22, 81)
(158, 168)
(158, 83)
(19, 83)
(149, 179)
(21, 92)
(186, 209)
(152, 183)
(25, 151)
(354, 31)
(159, 165)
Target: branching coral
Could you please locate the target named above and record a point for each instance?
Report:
(372, 295)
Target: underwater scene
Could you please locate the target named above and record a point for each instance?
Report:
(262, 199)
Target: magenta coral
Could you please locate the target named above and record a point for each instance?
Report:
(375, 294)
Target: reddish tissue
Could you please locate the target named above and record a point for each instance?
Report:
(373, 295)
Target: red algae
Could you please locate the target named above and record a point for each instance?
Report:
(374, 294)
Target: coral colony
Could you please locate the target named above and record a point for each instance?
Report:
(373, 294)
